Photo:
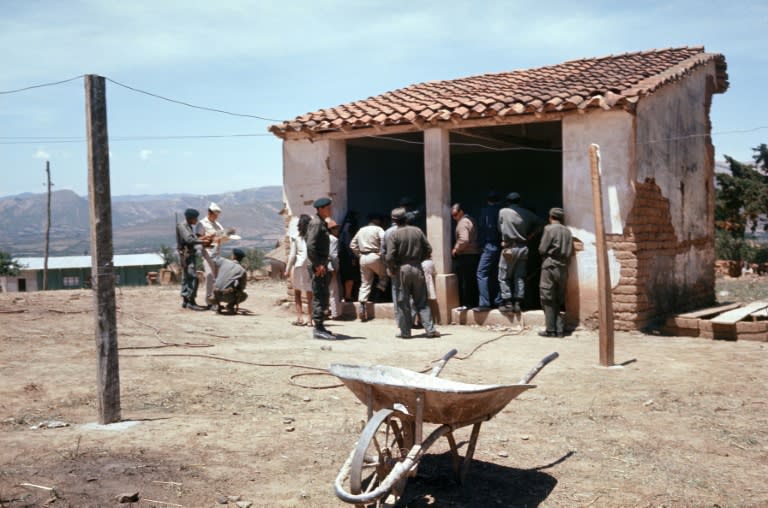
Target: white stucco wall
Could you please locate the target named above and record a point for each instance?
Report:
(613, 132)
(312, 170)
(673, 148)
(672, 138)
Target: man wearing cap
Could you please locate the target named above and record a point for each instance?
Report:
(555, 248)
(212, 228)
(517, 225)
(318, 254)
(489, 239)
(231, 279)
(407, 247)
(188, 242)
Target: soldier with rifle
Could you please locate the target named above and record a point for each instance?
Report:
(189, 242)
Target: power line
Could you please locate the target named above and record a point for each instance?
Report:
(205, 108)
(58, 140)
(3, 92)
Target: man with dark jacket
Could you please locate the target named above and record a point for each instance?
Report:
(407, 247)
(318, 255)
(489, 239)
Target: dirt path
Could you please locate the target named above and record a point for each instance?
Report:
(685, 423)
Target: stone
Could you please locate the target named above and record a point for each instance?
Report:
(127, 498)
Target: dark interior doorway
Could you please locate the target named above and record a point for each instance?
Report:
(381, 170)
(21, 285)
(524, 158)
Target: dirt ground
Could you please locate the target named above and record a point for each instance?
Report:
(211, 416)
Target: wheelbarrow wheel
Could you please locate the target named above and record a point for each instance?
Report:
(385, 441)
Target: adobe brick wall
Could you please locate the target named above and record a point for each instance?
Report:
(647, 289)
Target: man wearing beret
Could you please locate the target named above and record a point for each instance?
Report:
(188, 242)
(407, 247)
(555, 248)
(517, 225)
(318, 254)
(231, 278)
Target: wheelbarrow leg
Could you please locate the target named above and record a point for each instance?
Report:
(455, 457)
(470, 451)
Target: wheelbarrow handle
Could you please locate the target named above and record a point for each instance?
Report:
(532, 373)
(441, 363)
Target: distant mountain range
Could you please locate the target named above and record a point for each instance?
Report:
(139, 223)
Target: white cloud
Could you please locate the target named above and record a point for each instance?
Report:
(145, 154)
(41, 154)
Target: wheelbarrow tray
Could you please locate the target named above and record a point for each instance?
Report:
(445, 401)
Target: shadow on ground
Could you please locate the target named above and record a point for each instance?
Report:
(486, 484)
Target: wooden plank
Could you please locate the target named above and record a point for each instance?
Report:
(605, 302)
(733, 316)
(710, 311)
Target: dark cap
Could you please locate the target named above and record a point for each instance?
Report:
(493, 196)
(398, 214)
(557, 213)
(238, 253)
(321, 202)
(513, 197)
(191, 213)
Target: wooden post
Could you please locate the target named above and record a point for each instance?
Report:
(603, 274)
(102, 269)
(47, 226)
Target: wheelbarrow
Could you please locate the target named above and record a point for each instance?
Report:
(399, 402)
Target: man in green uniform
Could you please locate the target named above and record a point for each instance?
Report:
(188, 242)
(318, 253)
(555, 248)
(407, 247)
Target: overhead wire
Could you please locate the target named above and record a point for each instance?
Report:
(72, 139)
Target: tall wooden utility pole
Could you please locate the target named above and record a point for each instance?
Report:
(605, 302)
(47, 226)
(102, 269)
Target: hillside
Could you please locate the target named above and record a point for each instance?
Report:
(139, 223)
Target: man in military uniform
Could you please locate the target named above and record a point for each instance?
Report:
(188, 243)
(318, 254)
(407, 247)
(517, 225)
(555, 248)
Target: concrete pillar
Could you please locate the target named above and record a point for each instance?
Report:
(437, 181)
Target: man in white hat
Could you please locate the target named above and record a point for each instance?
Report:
(211, 227)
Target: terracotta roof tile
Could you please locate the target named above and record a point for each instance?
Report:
(615, 81)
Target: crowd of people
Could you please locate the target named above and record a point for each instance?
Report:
(331, 262)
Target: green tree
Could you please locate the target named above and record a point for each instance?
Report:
(168, 255)
(8, 266)
(741, 200)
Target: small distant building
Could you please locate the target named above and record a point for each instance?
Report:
(74, 272)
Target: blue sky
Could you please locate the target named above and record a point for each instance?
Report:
(278, 60)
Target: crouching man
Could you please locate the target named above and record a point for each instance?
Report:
(229, 286)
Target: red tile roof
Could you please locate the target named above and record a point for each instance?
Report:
(615, 81)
